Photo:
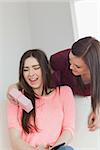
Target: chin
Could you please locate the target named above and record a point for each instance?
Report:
(75, 73)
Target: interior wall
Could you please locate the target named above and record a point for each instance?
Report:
(14, 39)
(51, 26)
(45, 25)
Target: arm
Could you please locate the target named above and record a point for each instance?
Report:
(59, 60)
(68, 126)
(14, 127)
(65, 137)
(17, 142)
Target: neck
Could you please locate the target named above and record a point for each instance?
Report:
(43, 93)
(38, 90)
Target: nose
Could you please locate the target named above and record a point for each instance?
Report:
(71, 67)
(31, 72)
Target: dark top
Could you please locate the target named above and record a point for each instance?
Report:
(62, 74)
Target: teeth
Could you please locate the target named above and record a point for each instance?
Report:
(33, 79)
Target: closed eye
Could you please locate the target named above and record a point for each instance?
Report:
(77, 66)
(36, 68)
(25, 70)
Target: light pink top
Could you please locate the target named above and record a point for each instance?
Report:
(54, 114)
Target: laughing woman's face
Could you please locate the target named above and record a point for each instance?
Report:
(33, 74)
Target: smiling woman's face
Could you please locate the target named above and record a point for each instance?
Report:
(77, 65)
(33, 74)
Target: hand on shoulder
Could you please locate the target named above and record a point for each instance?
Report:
(9, 97)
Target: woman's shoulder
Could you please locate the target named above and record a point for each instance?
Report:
(59, 59)
(65, 93)
(61, 53)
(64, 88)
(58, 55)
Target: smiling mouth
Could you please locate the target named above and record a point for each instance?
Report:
(74, 71)
(33, 80)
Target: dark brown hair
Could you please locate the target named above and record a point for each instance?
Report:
(40, 56)
(88, 49)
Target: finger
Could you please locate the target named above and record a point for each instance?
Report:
(47, 147)
(11, 99)
(91, 118)
(36, 147)
(93, 128)
(93, 123)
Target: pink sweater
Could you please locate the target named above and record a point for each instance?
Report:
(54, 114)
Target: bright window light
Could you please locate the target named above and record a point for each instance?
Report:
(88, 18)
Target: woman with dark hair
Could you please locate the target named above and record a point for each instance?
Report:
(79, 68)
(51, 121)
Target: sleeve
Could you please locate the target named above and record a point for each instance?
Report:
(68, 110)
(13, 115)
(58, 60)
(55, 79)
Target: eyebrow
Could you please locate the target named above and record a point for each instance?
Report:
(32, 66)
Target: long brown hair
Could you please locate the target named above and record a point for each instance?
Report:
(28, 91)
(88, 48)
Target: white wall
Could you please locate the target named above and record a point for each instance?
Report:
(51, 26)
(23, 25)
(15, 36)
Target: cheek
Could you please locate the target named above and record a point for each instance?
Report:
(84, 70)
(39, 73)
(79, 71)
(40, 76)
